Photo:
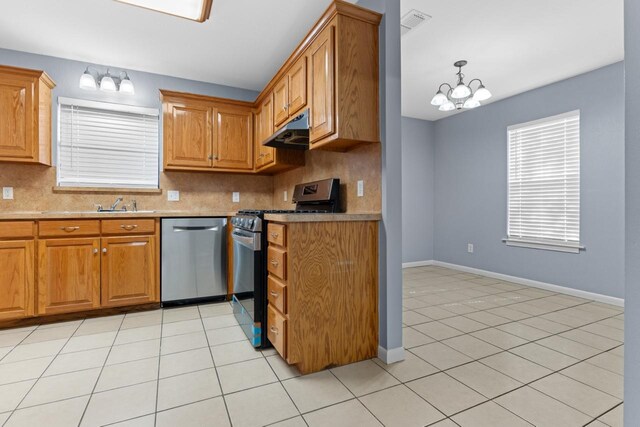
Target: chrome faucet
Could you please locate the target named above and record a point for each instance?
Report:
(116, 203)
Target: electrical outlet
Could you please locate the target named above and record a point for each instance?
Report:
(7, 193)
(360, 188)
(286, 196)
(470, 248)
(173, 196)
(235, 197)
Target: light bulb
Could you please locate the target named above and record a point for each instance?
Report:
(126, 86)
(107, 84)
(87, 82)
(447, 106)
(461, 91)
(439, 99)
(471, 103)
(482, 94)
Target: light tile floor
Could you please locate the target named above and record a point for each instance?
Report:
(480, 352)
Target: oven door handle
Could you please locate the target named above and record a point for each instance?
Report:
(251, 242)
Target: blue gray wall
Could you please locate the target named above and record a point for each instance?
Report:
(471, 184)
(66, 73)
(417, 189)
(632, 207)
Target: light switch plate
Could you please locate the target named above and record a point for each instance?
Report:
(235, 197)
(360, 188)
(173, 196)
(470, 248)
(286, 196)
(7, 193)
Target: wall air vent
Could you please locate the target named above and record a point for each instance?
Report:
(413, 19)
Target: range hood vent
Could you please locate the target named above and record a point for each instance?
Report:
(413, 19)
(293, 135)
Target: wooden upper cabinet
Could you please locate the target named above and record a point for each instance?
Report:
(203, 133)
(129, 270)
(297, 77)
(263, 130)
(281, 101)
(25, 115)
(233, 142)
(188, 134)
(68, 275)
(17, 279)
(321, 57)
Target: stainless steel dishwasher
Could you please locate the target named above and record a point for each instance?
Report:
(194, 259)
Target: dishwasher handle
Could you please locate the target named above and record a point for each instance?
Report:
(177, 228)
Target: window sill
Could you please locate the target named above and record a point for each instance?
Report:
(106, 190)
(547, 246)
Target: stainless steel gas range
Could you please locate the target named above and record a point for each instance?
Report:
(250, 255)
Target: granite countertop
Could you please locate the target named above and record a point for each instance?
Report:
(35, 215)
(323, 217)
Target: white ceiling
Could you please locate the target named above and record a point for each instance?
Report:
(243, 44)
(512, 45)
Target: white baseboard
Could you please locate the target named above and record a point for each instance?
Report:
(542, 285)
(391, 355)
(417, 264)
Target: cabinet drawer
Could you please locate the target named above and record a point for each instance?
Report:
(16, 229)
(277, 332)
(277, 294)
(81, 227)
(276, 262)
(128, 226)
(276, 234)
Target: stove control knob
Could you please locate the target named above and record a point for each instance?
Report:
(250, 223)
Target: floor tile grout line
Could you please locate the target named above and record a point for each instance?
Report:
(215, 369)
(84, 412)
(604, 413)
(155, 415)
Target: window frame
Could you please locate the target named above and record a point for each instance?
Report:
(112, 107)
(540, 243)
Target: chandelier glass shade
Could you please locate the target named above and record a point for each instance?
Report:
(462, 95)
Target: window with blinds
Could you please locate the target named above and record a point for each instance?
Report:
(544, 183)
(107, 145)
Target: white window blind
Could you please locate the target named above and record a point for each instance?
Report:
(107, 145)
(544, 183)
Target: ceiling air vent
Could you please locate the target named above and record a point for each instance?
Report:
(413, 19)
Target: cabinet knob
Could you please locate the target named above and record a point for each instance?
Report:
(274, 235)
(274, 294)
(95, 250)
(274, 330)
(274, 263)
(104, 250)
(210, 157)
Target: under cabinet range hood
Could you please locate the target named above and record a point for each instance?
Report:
(293, 135)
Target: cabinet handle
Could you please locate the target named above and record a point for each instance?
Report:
(274, 263)
(95, 250)
(70, 229)
(284, 108)
(274, 235)
(274, 330)
(274, 294)
(210, 157)
(104, 250)
(128, 227)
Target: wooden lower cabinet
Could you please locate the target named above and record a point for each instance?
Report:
(16, 279)
(323, 301)
(129, 273)
(68, 275)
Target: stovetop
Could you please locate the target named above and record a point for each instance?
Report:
(281, 211)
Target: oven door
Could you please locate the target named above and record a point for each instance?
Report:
(247, 286)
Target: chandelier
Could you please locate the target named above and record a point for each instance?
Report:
(461, 96)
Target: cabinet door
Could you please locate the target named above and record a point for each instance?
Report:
(257, 130)
(17, 118)
(68, 275)
(298, 86)
(233, 138)
(281, 101)
(16, 279)
(266, 112)
(321, 58)
(188, 135)
(129, 267)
